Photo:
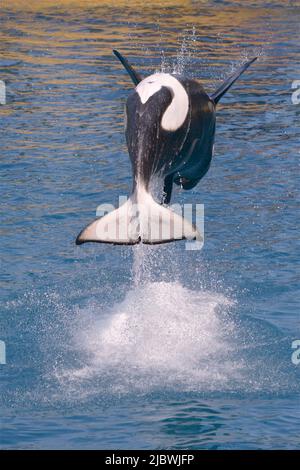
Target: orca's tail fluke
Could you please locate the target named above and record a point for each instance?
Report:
(139, 220)
(135, 76)
(217, 95)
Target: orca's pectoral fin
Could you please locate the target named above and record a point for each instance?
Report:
(135, 77)
(230, 81)
(167, 191)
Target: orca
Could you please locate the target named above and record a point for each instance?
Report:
(170, 125)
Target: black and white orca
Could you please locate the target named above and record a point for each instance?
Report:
(170, 129)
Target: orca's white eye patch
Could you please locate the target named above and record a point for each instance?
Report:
(147, 88)
(176, 112)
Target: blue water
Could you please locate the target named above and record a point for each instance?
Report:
(148, 347)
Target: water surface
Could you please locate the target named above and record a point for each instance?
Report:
(148, 347)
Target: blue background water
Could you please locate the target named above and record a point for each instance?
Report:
(148, 347)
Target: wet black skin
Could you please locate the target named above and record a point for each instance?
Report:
(187, 161)
(182, 156)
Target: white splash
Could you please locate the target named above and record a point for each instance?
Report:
(161, 336)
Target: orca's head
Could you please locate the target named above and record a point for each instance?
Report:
(215, 97)
(152, 88)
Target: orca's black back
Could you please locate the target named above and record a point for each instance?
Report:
(196, 153)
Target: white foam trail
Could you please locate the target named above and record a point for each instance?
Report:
(162, 325)
(161, 336)
(165, 337)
